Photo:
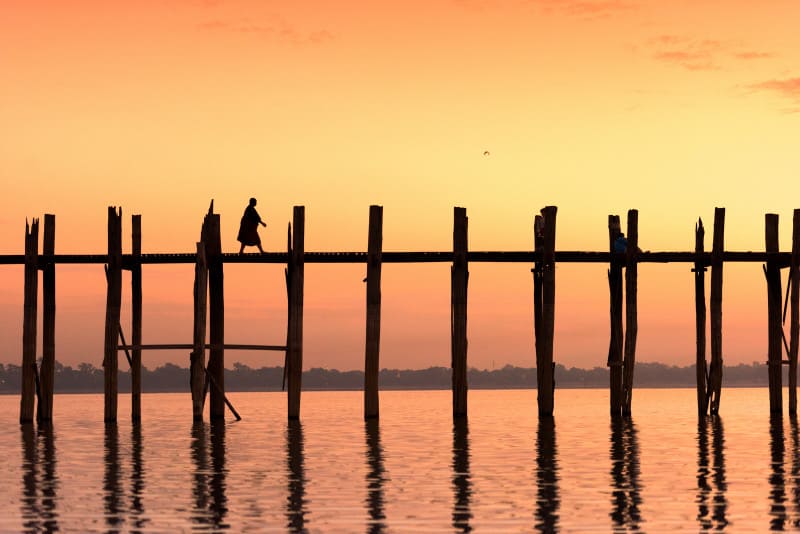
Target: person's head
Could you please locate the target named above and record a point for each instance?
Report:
(621, 234)
(252, 201)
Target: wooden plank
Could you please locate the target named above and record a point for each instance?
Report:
(197, 359)
(372, 350)
(29, 322)
(774, 326)
(631, 308)
(715, 304)
(295, 341)
(794, 318)
(700, 318)
(113, 304)
(47, 375)
(191, 346)
(615, 311)
(216, 298)
(458, 312)
(545, 388)
(136, 318)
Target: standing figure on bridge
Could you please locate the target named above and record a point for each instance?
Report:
(248, 228)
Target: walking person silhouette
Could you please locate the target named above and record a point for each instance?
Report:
(248, 228)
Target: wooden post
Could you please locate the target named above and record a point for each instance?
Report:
(794, 325)
(715, 304)
(774, 294)
(459, 276)
(700, 317)
(538, 247)
(113, 303)
(44, 413)
(631, 321)
(30, 318)
(197, 359)
(295, 340)
(615, 310)
(545, 388)
(216, 298)
(372, 353)
(136, 318)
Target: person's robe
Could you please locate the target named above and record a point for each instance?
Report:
(248, 227)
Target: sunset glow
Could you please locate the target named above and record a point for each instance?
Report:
(502, 107)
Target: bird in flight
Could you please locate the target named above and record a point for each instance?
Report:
(485, 152)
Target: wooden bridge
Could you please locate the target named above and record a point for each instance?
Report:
(207, 378)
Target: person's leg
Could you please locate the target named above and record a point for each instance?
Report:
(241, 249)
(260, 249)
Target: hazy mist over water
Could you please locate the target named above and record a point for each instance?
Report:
(414, 470)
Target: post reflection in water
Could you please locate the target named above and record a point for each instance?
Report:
(711, 481)
(626, 496)
(210, 500)
(137, 479)
(547, 499)
(296, 478)
(462, 485)
(39, 480)
(375, 477)
(795, 470)
(777, 478)
(112, 485)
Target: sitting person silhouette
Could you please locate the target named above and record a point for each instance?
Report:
(248, 228)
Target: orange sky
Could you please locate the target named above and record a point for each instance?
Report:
(595, 106)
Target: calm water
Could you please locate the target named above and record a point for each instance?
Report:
(414, 471)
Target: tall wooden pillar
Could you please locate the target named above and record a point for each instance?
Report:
(44, 412)
(372, 352)
(459, 276)
(538, 270)
(294, 344)
(715, 305)
(197, 360)
(29, 322)
(113, 303)
(794, 325)
(774, 294)
(631, 308)
(136, 317)
(216, 298)
(546, 384)
(700, 317)
(615, 311)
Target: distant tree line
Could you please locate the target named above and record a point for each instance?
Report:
(87, 378)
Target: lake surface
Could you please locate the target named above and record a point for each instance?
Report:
(502, 471)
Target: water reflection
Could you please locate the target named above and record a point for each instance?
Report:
(375, 478)
(626, 493)
(795, 452)
(112, 483)
(39, 480)
(296, 478)
(547, 499)
(210, 500)
(137, 479)
(777, 479)
(462, 485)
(711, 481)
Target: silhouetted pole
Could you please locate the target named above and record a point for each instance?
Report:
(136, 317)
(113, 303)
(715, 304)
(794, 326)
(216, 298)
(538, 247)
(615, 310)
(546, 385)
(700, 317)
(47, 373)
(631, 320)
(459, 275)
(372, 356)
(197, 360)
(29, 322)
(294, 344)
(774, 294)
